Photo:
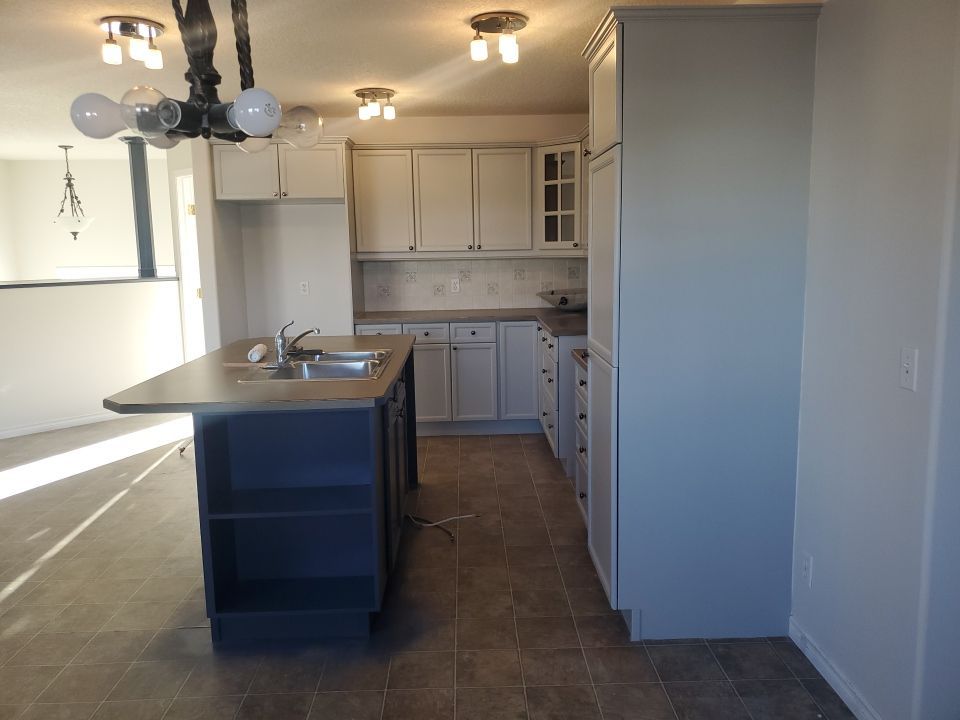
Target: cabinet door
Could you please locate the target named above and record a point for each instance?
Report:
(475, 381)
(431, 364)
(519, 371)
(314, 174)
(383, 186)
(246, 176)
(501, 198)
(443, 199)
(557, 197)
(602, 463)
(604, 267)
(605, 79)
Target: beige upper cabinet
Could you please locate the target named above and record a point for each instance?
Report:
(383, 185)
(242, 176)
(501, 198)
(312, 174)
(605, 96)
(556, 201)
(279, 171)
(443, 199)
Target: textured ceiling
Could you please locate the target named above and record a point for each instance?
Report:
(305, 52)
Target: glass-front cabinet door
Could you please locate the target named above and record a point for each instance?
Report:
(557, 207)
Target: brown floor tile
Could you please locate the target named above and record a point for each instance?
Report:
(132, 710)
(51, 649)
(418, 705)
(750, 661)
(28, 619)
(347, 706)
(519, 534)
(794, 659)
(485, 530)
(535, 577)
(646, 701)
(580, 576)
(589, 601)
(220, 676)
(488, 668)
(114, 646)
(481, 556)
(355, 671)
(23, 684)
(107, 590)
(179, 644)
(602, 631)
(568, 534)
(472, 579)
(554, 667)
(620, 665)
(510, 491)
(547, 632)
(420, 670)
(828, 700)
(82, 618)
(706, 701)
(214, 708)
(60, 711)
(486, 634)
(504, 703)
(409, 632)
(777, 700)
(163, 589)
(684, 662)
(485, 604)
(141, 616)
(152, 680)
(289, 706)
(570, 555)
(540, 603)
(527, 555)
(293, 670)
(84, 683)
(562, 703)
(54, 592)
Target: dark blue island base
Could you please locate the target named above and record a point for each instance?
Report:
(301, 514)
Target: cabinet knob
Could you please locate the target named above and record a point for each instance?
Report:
(276, 194)
(581, 450)
(379, 333)
(576, 244)
(550, 345)
(582, 383)
(539, 328)
(587, 153)
(543, 371)
(410, 248)
(469, 247)
(478, 246)
(549, 426)
(426, 333)
(583, 496)
(473, 332)
(543, 339)
(544, 414)
(549, 380)
(284, 193)
(582, 416)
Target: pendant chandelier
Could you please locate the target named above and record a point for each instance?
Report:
(76, 222)
(163, 121)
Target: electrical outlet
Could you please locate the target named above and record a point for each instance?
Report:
(909, 357)
(304, 287)
(806, 569)
(455, 285)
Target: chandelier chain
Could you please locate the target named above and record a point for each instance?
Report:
(241, 30)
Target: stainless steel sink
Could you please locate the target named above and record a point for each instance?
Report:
(345, 356)
(311, 370)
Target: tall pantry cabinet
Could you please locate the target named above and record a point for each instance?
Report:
(700, 131)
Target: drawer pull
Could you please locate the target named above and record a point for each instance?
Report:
(582, 416)
(379, 333)
(426, 333)
(276, 194)
(544, 414)
(549, 427)
(543, 371)
(539, 328)
(284, 193)
(543, 339)
(549, 380)
(583, 496)
(582, 383)
(581, 449)
(550, 345)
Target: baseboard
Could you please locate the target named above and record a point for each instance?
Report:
(57, 424)
(480, 427)
(844, 688)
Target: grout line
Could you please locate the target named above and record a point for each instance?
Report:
(646, 650)
(729, 681)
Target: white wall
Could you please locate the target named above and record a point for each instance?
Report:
(284, 245)
(883, 167)
(83, 343)
(34, 189)
(8, 248)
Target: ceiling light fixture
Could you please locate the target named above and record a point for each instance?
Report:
(506, 24)
(142, 34)
(76, 222)
(371, 100)
(164, 121)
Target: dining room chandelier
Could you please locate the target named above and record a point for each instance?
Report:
(164, 121)
(76, 222)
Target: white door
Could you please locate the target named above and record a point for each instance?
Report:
(602, 461)
(603, 289)
(443, 199)
(501, 198)
(475, 381)
(191, 292)
(605, 97)
(383, 188)
(519, 371)
(246, 176)
(431, 376)
(314, 174)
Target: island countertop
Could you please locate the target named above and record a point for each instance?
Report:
(205, 385)
(556, 322)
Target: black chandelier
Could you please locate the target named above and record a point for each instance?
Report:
(162, 121)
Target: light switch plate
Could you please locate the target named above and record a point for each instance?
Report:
(909, 358)
(455, 285)
(304, 287)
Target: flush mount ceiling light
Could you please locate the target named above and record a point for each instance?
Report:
(376, 102)
(76, 222)
(505, 23)
(142, 33)
(162, 121)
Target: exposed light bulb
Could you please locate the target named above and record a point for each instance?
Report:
(374, 108)
(153, 60)
(255, 112)
(511, 53)
(138, 48)
(301, 127)
(164, 142)
(111, 52)
(508, 41)
(389, 111)
(478, 48)
(138, 107)
(363, 112)
(96, 116)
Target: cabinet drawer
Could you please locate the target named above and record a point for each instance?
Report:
(582, 485)
(548, 419)
(378, 329)
(428, 332)
(550, 346)
(581, 383)
(548, 392)
(473, 332)
(582, 451)
(580, 402)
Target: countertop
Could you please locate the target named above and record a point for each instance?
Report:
(204, 385)
(556, 322)
(580, 356)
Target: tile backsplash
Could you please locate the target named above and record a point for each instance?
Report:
(429, 284)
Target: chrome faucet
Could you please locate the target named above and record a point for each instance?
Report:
(285, 347)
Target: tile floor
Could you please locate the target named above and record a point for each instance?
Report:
(102, 616)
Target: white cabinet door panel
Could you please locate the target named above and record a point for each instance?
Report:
(383, 188)
(602, 462)
(475, 381)
(245, 176)
(431, 376)
(501, 198)
(605, 97)
(519, 371)
(315, 173)
(390, 329)
(604, 265)
(443, 199)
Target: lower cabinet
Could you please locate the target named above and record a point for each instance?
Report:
(432, 372)
(395, 468)
(519, 370)
(474, 381)
(602, 464)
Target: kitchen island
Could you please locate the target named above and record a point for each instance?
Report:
(300, 486)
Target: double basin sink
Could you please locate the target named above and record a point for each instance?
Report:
(312, 365)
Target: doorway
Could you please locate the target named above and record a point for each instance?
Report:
(191, 291)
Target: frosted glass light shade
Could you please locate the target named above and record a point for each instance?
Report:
(111, 52)
(511, 53)
(478, 49)
(138, 48)
(508, 42)
(374, 108)
(96, 116)
(363, 112)
(255, 112)
(72, 223)
(153, 60)
(389, 111)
